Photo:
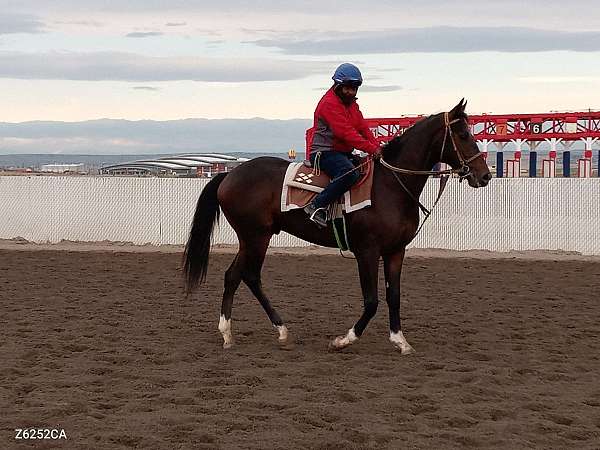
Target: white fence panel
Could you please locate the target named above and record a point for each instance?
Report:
(510, 214)
(515, 214)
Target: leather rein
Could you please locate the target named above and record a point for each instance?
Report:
(463, 172)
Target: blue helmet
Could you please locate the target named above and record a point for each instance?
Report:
(347, 74)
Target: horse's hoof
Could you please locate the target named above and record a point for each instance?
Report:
(399, 342)
(337, 344)
(286, 344)
(341, 342)
(405, 349)
(285, 339)
(408, 351)
(227, 345)
(332, 347)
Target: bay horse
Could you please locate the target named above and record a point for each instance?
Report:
(249, 197)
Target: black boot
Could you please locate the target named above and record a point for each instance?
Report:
(317, 215)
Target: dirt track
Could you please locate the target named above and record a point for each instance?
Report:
(103, 345)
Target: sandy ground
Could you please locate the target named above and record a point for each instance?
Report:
(109, 246)
(104, 345)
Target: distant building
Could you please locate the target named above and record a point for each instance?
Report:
(62, 168)
(186, 165)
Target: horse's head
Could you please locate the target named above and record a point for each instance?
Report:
(460, 149)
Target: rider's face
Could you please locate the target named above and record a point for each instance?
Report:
(347, 93)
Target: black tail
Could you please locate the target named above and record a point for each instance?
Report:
(195, 257)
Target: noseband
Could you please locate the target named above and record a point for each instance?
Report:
(464, 170)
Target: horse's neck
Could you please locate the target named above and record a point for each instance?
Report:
(415, 154)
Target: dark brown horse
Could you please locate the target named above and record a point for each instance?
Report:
(250, 199)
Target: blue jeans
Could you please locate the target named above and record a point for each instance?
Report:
(334, 164)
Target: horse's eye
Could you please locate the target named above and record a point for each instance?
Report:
(463, 135)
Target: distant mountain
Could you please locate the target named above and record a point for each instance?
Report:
(93, 162)
(125, 137)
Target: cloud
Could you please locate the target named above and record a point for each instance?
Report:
(355, 15)
(84, 23)
(175, 24)
(114, 66)
(146, 88)
(388, 88)
(209, 32)
(260, 30)
(306, 6)
(440, 39)
(559, 79)
(369, 88)
(144, 34)
(20, 23)
(305, 19)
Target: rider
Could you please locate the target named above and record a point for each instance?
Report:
(339, 127)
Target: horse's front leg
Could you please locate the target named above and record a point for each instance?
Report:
(393, 270)
(368, 268)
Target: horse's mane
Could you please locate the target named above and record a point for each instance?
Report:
(397, 143)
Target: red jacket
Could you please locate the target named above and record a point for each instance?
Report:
(339, 128)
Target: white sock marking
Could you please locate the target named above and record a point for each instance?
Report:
(283, 332)
(344, 341)
(225, 329)
(400, 342)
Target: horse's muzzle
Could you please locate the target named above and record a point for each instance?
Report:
(485, 179)
(478, 182)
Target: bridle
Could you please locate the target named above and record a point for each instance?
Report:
(464, 170)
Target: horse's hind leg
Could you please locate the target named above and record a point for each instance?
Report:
(254, 256)
(233, 277)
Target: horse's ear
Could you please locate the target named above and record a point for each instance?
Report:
(458, 109)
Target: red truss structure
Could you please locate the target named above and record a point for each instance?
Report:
(520, 129)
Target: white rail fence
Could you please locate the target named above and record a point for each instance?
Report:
(510, 214)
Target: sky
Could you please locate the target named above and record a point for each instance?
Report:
(81, 60)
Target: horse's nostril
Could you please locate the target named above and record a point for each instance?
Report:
(487, 177)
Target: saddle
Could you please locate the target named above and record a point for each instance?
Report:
(303, 182)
